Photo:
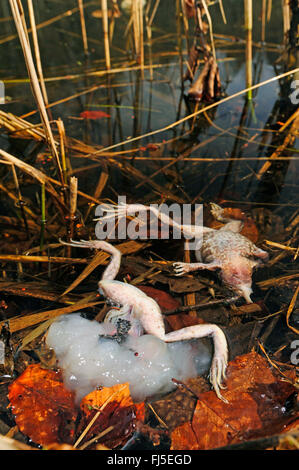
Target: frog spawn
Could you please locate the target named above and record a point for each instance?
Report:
(88, 360)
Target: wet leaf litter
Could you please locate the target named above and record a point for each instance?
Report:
(108, 136)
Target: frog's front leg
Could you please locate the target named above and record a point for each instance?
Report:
(184, 268)
(219, 362)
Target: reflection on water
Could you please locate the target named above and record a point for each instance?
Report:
(221, 147)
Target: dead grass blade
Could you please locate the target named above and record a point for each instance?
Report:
(290, 310)
(24, 321)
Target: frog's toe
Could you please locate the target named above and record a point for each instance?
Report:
(218, 374)
(180, 268)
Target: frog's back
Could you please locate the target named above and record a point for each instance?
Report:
(223, 245)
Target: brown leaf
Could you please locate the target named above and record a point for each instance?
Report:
(163, 299)
(256, 404)
(43, 408)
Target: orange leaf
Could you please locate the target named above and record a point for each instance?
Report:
(249, 228)
(42, 406)
(140, 411)
(256, 407)
(114, 408)
(100, 398)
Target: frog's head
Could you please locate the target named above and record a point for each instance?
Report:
(237, 275)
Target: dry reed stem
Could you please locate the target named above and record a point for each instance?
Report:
(210, 28)
(222, 11)
(286, 15)
(140, 14)
(97, 415)
(289, 139)
(248, 29)
(41, 259)
(62, 138)
(263, 20)
(24, 321)
(73, 195)
(290, 310)
(97, 437)
(83, 26)
(34, 80)
(269, 10)
(189, 298)
(106, 33)
(37, 51)
(30, 170)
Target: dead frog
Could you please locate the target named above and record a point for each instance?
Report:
(225, 249)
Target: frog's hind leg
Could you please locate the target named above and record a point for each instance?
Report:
(219, 362)
(112, 269)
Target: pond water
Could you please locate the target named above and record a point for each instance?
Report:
(221, 168)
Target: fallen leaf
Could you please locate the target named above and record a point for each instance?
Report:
(114, 408)
(167, 302)
(44, 410)
(249, 228)
(256, 407)
(94, 115)
(163, 299)
(185, 284)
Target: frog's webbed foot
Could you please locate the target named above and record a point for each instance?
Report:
(91, 244)
(181, 268)
(184, 268)
(121, 210)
